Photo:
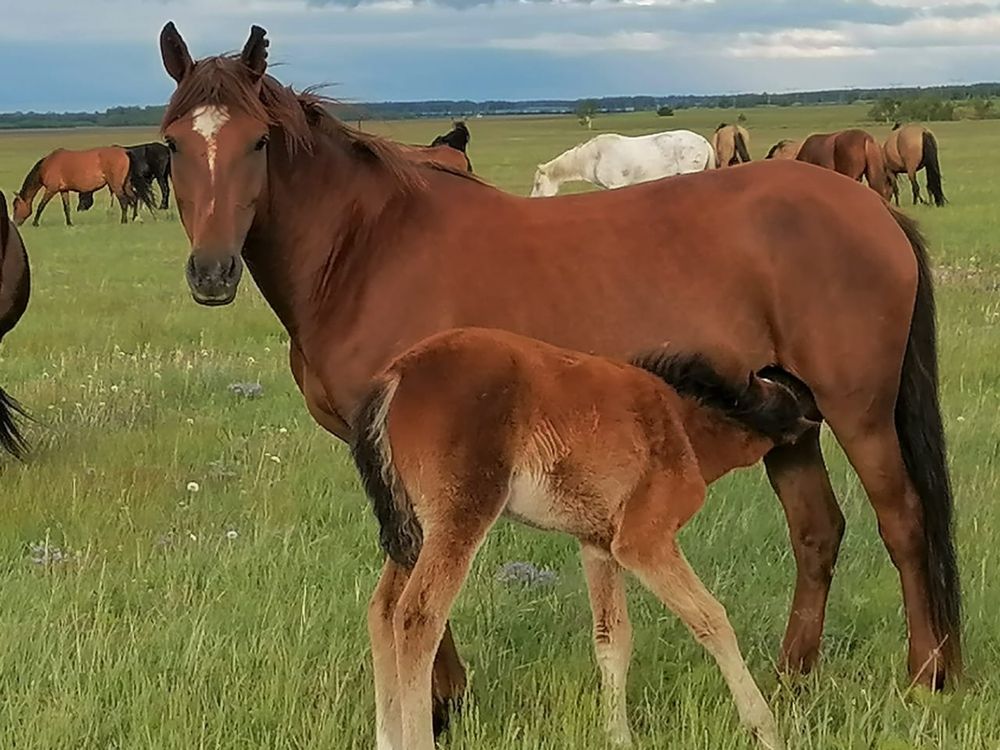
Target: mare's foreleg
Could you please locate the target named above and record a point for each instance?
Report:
(49, 195)
(65, 203)
(612, 636)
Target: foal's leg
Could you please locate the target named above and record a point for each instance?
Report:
(49, 195)
(612, 636)
(420, 618)
(65, 201)
(388, 727)
(646, 545)
(816, 527)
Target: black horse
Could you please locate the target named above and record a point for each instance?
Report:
(151, 162)
(458, 138)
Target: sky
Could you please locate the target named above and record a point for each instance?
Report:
(67, 55)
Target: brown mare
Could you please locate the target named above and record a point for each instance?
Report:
(64, 171)
(15, 289)
(731, 144)
(908, 149)
(616, 456)
(361, 254)
(784, 149)
(853, 153)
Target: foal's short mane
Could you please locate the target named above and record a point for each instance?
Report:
(31, 180)
(301, 115)
(769, 408)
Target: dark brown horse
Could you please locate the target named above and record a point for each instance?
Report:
(908, 149)
(512, 436)
(448, 149)
(63, 171)
(853, 153)
(15, 289)
(361, 254)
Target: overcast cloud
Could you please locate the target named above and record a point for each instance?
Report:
(60, 55)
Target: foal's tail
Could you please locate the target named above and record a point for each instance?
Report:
(11, 439)
(920, 431)
(400, 533)
(141, 183)
(933, 167)
(763, 406)
(741, 146)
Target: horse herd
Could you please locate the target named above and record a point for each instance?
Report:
(586, 363)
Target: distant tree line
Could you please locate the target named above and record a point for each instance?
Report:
(931, 103)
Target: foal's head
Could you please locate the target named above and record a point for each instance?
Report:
(217, 130)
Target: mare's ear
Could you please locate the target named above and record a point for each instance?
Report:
(254, 54)
(176, 58)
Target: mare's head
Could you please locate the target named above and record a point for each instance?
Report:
(544, 186)
(21, 209)
(217, 128)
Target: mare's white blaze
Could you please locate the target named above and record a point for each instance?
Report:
(207, 121)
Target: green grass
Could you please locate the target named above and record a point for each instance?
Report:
(158, 630)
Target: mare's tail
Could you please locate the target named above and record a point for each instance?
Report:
(933, 167)
(920, 431)
(400, 533)
(140, 182)
(763, 406)
(741, 146)
(11, 439)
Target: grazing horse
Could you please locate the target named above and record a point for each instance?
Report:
(610, 160)
(458, 138)
(360, 254)
(63, 171)
(784, 149)
(15, 289)
(151, 162)
(731, 144)
(853, 153)
(618, 457)
(910, 148)
(442, 154)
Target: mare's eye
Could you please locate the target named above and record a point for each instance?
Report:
(259, 146)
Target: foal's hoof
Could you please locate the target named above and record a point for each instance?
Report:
(442, 711)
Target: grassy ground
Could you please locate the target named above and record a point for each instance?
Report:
(137, 612)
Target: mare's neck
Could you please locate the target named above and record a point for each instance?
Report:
(314, 232)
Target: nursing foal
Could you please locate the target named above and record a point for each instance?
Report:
(474, 423)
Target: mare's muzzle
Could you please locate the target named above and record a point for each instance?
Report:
(214, 281)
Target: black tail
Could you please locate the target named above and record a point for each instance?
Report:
(775, 147)
(141, 183)
(741, 146)
(11, 439)
(400, 533)
(933, 168)
(86, 201)
(763, 406)
(921, 437)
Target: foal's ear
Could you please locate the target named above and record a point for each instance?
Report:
(254, 54)
(176, 58)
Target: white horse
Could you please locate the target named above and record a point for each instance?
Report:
(612, 161)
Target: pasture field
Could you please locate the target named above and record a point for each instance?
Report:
(136, 612)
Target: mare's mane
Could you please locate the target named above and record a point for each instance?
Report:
(32, 180)
(302, 116)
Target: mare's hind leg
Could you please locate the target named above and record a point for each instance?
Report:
(124, 203)
(612, 636)
(65, 201)
(872, 446)
(646, 545)
(388, 726)
(49, 195)
(815, 527)
(422, 613)
(915, 187)
(164, 184)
